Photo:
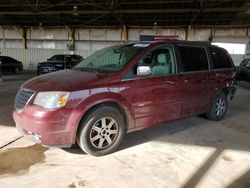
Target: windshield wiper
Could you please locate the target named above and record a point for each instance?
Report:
(94, 70)
(105, 70)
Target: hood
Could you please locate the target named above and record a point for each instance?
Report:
(67, 80)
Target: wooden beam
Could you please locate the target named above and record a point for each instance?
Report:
(127, 11)
(18, 30)
(187, 32)
(125, 33)
(25, 38)
(73, 41)
(71, 33)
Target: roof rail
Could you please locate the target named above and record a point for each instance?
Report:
(184, 41)
(169, 39)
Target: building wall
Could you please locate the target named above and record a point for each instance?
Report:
(31, 57)
(42, 43)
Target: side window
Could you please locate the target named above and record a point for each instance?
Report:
(12, 60)
(80, 58)
(220, 58)
(68, 59)
(60, 58)
(8, 60)
(76, 58)
(243, 62)
(161, 61)
(247, 63)
(193, 58)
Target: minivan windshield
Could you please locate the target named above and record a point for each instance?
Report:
(110, 59)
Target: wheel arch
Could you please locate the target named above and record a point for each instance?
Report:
(110, 103)
(210, 114)
(117, 102)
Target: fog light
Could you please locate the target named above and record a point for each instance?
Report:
(36, 136)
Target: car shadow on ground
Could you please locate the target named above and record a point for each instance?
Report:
(163, 130)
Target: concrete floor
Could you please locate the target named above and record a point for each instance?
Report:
(192, 152)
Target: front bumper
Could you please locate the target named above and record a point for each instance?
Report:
(44, 70)
(45, 131)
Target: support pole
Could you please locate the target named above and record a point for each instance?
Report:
(187, 32)
(24, 38)
(23, 33)
(73, 40)
(1, 79)
(210, 39)
(125, 33)
(71, 33)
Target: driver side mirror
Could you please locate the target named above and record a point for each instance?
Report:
(143, 70)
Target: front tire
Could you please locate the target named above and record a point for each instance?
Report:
(219, 107)
(101, 131)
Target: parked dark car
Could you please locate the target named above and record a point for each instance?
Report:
(125, 88)
(244, 70)
(9, 64)
(58, 62)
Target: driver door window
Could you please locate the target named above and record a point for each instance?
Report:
(161, 61)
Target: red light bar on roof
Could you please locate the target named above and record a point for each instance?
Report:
(156, 38)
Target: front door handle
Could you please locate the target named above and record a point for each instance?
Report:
(170, 82)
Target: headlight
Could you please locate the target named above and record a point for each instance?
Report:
(51, 99)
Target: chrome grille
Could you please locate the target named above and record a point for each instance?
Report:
(22, 98)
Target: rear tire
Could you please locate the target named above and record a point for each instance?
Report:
(16, 70)
(101, 131)
(218, 108)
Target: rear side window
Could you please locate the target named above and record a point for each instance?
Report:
(57, 58)
(9, 60)
(193, 58)
(220, 58)
(247, 63)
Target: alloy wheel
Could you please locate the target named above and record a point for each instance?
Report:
(220, 107)
(103, 133)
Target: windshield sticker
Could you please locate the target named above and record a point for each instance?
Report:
(141, 45)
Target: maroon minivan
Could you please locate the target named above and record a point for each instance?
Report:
(125, 88)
